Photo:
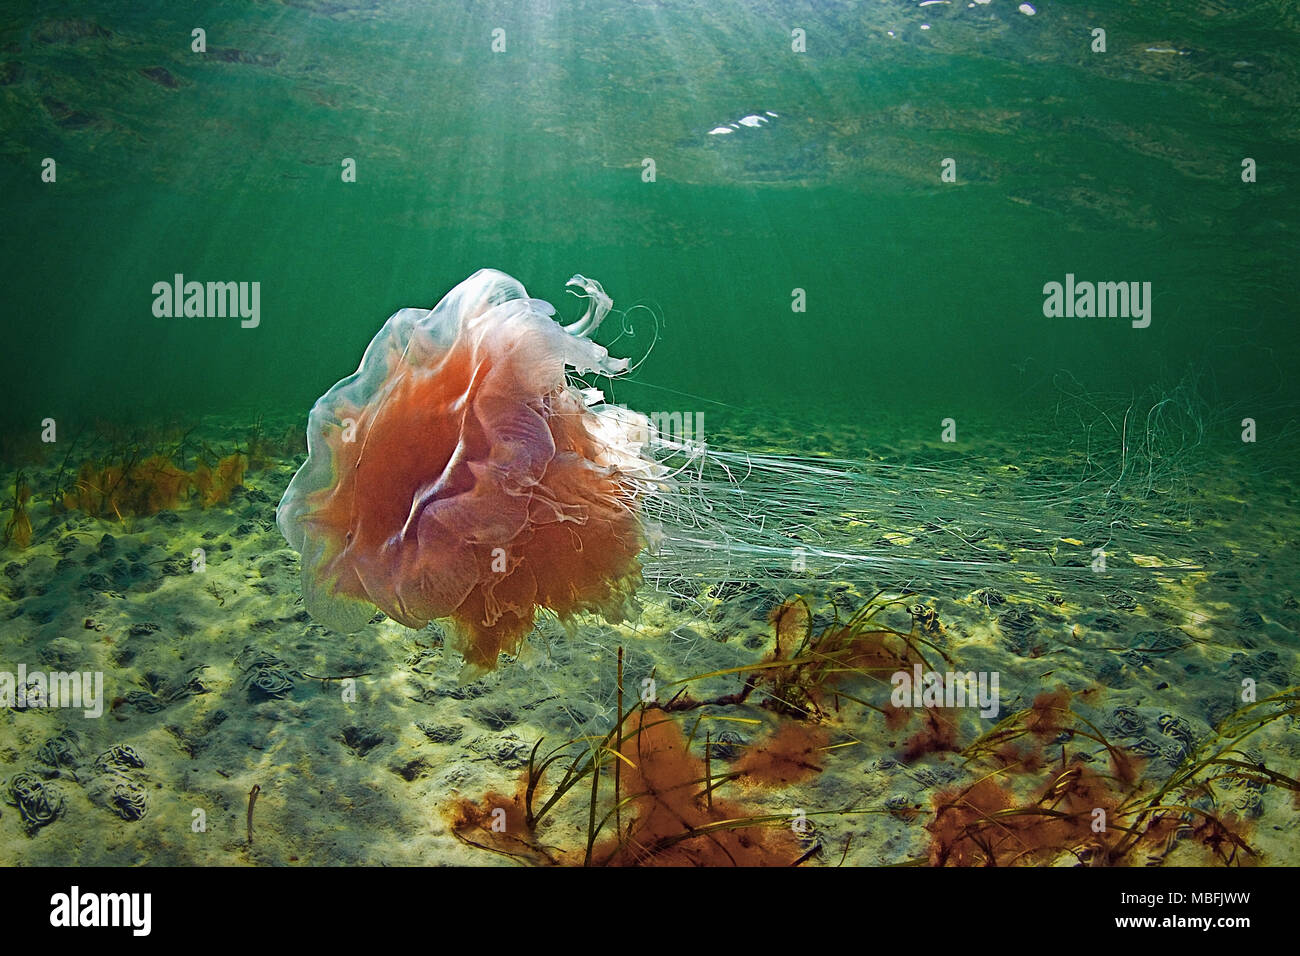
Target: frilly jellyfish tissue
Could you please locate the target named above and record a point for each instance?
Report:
(459, 474)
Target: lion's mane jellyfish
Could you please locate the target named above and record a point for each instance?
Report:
(463, 474)
(460, 474)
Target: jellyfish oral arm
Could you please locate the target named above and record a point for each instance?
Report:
(598, 305)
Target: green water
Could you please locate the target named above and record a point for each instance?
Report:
(1115, 166)
(922, 300)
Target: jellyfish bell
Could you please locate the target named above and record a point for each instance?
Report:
(461, 474)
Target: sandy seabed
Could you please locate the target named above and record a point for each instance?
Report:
(217, 681)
